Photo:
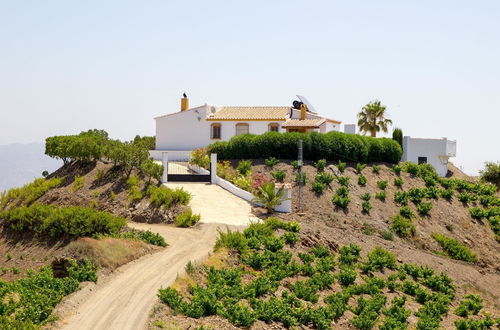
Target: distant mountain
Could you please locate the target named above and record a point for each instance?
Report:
(22, 163)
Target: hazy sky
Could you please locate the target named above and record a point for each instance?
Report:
(67, 66)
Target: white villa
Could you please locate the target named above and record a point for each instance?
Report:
(192, 128)
(181, 132)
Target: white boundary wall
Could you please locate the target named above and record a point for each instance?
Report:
(173, 155)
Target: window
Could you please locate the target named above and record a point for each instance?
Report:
(215, 131)
(422, 160)
(274, 127)
(241, 128)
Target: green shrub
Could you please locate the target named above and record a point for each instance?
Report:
(433, 192)
(29, 193)
(295, 164)
(495, 224)
(477, 213)
(416, 195)
(165, 197)
(387, 235)
(244, 167)
(376, 169)
(471, 304)
(382, 184)
(349, 254)
(347, 276)
(145, 236)
(305, 291)
(77, 183)
(324, 178)
(362, 180)
(290, 238)
(200, 158)
(343, 191)
(397, 169)
(411, 168)
(454, 248)
(36, 295)
(491, 173)
(341, 166)
(378, 259)
(134, 192)
(343, 180)
(187, 219)
(318, 187)
(401, 197)
(446, 194)
(360, 167)
(381, 195)
(340, 201)
(320, 165)
(234, 240)
(366, 207)
(398, 182)
(402, 227)
(57, 222)
(466, 197)
(474, 324)
(406, 212)
(279, 175)
(365, 196)
(271, 161)
(424, 208)
(396, 316)
(367, 311)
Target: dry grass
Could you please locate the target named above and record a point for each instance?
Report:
(109, 253)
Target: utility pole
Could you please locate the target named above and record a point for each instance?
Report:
(299, 174)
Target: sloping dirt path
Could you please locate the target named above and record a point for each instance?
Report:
(124, 299)
(215, 204)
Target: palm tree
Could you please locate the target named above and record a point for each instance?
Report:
(372, 118)
(269, 196)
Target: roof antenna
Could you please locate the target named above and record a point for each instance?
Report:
(184, 94)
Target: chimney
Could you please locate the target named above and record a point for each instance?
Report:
(184, 102)
(303, 111)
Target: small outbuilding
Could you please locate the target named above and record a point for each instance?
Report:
(432, 151)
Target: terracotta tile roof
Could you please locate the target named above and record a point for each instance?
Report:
(250, 113)
(304, 123)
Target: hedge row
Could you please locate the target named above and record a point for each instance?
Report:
(56, 222)
(330, 146)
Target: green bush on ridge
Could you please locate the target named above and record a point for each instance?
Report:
(56, 222)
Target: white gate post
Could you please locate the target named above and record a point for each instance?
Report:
(213, 168)
(164, 161)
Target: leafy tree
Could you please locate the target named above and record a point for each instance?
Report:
(372, 118)
(152, 170)
(397, 135)
(491, 173)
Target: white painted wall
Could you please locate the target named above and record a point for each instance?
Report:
(184, 131)
(188, 130)
(350, 128)
(437, 151)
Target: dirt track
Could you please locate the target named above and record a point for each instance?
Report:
(124, 300)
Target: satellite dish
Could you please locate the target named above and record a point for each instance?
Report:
(307, 103)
